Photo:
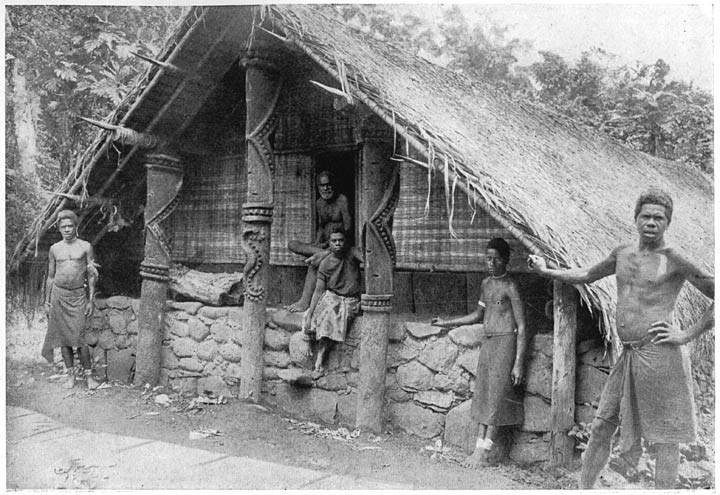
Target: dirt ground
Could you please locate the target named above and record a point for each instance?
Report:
(262, 432)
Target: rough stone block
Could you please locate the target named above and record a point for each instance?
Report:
(537, 416)
(135, 304)
(231, 352)
(191, 364)
(221, 332)
(287, 320)
(276, 359)
(177, 315)
(347, 409)
(120, 363)
(530, 447)
(119, 302)
(416, 420)
(393, 392)
(189, 307)
(276, 339)
(271, 373)
(589, 384)
(101, 304)
(121, 341)
(421, 330)
(197, 329)
(207, 350)
(452, 379)
(307, 403)
(184, 347)
(213, 312)
(439, 355)
(98, 321)
(397, 354)
(184, 385)
(232, 371)
(409, 350)
(179, 328)
(333, 382)
(542, 343)
(539, 375)
(353, 378)
(584, 413)
(168, 359)
(460, 430)
(132, 328)
(467, 335)
(413, 377)
(468, 360)
(91, 337)
(435, 400)
(117, 321)
(213, 385)
(106, 339)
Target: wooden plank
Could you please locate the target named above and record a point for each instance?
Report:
(563, 378)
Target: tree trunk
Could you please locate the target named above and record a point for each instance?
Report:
(214, 289)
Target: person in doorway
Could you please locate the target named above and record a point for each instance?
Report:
(336, 298)
(648, 393)
(71, 267)
(497, 401)
(332, 211)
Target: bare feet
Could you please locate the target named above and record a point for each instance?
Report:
(479, 458)
(298, 307)
(92, 384)
(70, 383)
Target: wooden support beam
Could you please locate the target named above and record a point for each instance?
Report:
(164, 180)
(262, 91)
(380, 189)
(562, 408)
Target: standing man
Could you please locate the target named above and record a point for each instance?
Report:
(332, 211)
(71, 264)
(497, 401)
(649, 392)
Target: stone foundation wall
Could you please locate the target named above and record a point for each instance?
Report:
(429, 381)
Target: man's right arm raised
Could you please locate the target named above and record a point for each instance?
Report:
(575, 275)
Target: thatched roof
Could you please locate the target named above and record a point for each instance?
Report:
(567, 190)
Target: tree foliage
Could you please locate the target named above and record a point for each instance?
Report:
(637, 105)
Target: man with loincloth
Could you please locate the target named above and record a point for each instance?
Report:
(332, 211)
(497, 401)
(71, 264)
(648, 393)
(336, 298)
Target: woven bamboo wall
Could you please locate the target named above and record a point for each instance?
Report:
(423, 239)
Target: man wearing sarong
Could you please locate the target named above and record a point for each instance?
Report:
(648, 393)
(497, 401)
(332, 211)
(336, 298)
(71, 264)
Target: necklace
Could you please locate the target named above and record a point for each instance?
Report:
(501, 276)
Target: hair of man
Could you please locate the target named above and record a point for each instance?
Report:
(67, 215)
(501, 246)
(655, 196)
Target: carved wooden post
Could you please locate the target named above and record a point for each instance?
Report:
(562, 406)
(262, 86)
(164, 179)
(380, 191)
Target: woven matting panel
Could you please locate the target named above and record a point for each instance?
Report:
(207, 224)
(423, 239)
(293, 212)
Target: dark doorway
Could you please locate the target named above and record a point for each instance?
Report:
(343, 166)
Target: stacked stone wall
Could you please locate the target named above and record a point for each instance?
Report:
(429, 383)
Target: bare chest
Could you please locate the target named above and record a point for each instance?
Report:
(69, 252)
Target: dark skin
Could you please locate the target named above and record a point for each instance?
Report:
(503, 312)
(650, 275)
(332, 211)
(70, 262)
(337, 248)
